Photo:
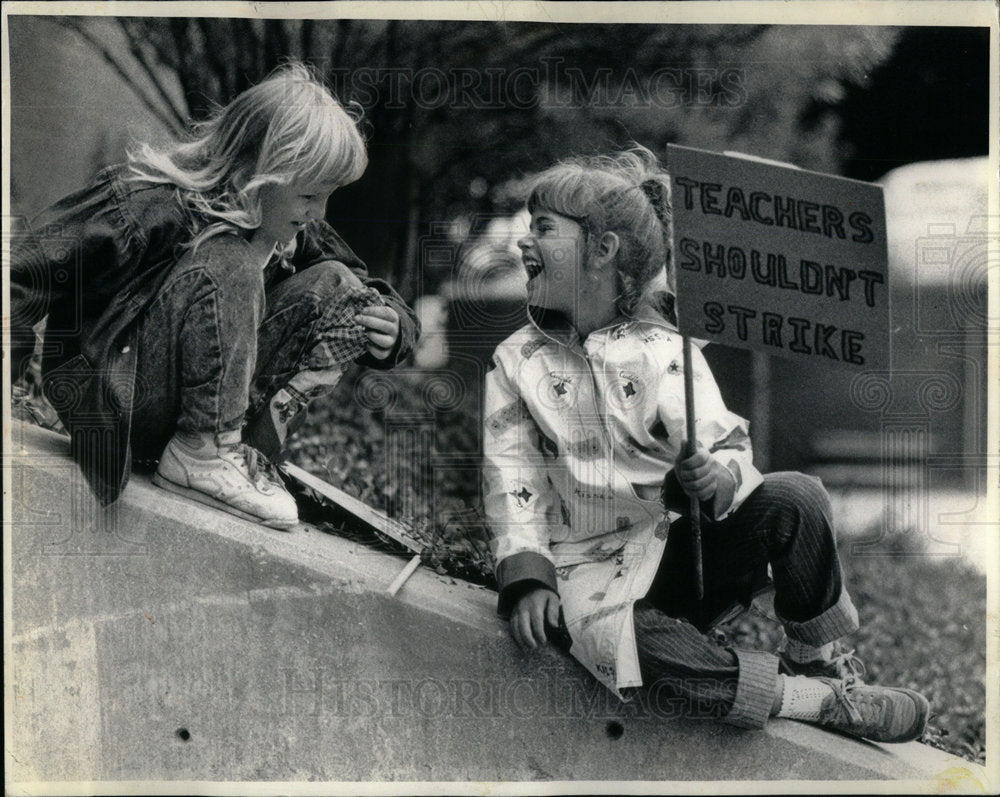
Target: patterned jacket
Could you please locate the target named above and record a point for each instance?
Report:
(580, 438)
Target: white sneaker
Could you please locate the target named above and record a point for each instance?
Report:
(228, 475)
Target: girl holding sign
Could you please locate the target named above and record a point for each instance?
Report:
(587, 484)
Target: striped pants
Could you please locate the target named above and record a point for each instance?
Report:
(786, 522)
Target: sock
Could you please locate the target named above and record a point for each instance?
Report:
(206, 445)
(802, 653)
(198, 444)
(779, 691)
(802, 698)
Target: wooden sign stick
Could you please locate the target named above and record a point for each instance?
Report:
(404, 574)
(391, 528)
(692, 448)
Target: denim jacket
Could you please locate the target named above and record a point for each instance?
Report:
(91, 264)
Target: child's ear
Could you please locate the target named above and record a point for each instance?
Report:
(607, 248)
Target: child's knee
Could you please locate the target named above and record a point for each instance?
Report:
(798, 492)
(331, 278)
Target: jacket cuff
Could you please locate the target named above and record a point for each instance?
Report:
(517, 573)
(409, 329)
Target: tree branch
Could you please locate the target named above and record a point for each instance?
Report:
(174, 124)
(213, 54)
(140, 57)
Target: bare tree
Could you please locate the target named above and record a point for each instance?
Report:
(593, 88)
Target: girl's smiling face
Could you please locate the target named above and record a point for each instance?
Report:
(553, 256)
(285, 209)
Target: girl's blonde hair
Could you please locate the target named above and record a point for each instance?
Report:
(626, 193)
(287, 127)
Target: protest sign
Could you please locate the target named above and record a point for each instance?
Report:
(780, 260)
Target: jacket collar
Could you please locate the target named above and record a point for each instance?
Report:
(655, 306)
(554, 326)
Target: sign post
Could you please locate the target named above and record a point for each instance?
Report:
(777, 260)
(691, 448)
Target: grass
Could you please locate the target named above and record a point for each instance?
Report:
(923, 626)
(922, 618)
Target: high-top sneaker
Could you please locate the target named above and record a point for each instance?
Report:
(221, 471)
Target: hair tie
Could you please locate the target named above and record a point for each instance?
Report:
(655, 192)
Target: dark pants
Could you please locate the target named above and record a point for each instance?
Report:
(215, 346)
(786, 522)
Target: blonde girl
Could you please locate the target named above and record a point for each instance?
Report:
(196, 299)
(587, 483)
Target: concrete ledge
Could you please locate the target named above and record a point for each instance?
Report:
(163, 640)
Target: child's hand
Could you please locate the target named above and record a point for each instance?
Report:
(700, 475)
(532, 612)
(382, 325)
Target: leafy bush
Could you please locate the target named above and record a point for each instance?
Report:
(382, 441)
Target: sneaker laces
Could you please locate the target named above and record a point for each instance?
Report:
(841, 664)
(841, 692)
(875, 713)
(847, 662)
(258, 467)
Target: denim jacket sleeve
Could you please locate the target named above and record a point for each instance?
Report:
(75, 246)
(321, 242)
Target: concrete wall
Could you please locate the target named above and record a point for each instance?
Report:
(162, 640)
(70, 113)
